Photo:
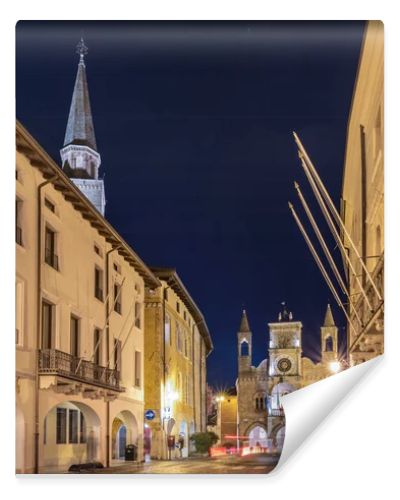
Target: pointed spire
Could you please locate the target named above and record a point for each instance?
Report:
(329, 321)
(80, 128)
(244, 323)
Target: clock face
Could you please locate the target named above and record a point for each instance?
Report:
(284, 365)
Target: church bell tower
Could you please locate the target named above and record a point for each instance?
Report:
(244, 344)
(285, 348)
(329, 338)
(79, 156)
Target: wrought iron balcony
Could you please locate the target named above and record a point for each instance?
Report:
(54, 362)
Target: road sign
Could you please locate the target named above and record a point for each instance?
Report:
(149, 414)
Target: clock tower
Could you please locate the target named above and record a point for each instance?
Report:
(285, 348)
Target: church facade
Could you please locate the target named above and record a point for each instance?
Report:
(260, 389)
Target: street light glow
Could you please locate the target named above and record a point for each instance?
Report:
(335, 366)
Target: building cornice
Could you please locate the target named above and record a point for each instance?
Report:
(170, 276)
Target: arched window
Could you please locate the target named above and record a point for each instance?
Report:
(256, 403)
(328, 344)
(244, 348)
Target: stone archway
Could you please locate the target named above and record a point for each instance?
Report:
(71, 435)
(258, 438)
(124, 431)
(278, 437)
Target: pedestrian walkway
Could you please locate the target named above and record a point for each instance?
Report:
(254, 464)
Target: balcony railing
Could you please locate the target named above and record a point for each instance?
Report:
(51, 258)
(54, 362)
(278, 412)
(18, 235)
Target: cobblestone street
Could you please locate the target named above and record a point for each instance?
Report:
(251, 464)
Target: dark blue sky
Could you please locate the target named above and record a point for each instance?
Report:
(193, 122)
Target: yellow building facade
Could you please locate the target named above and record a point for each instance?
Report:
(227, 417)
(177, 342)
(363, 201)
(80, 293)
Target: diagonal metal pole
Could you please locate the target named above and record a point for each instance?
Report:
(321, 266)
(333, 209)
(325, 249)
(335, 233)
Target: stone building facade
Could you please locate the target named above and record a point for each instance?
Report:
(362, 209)
(177, 343)
(80, 293)
(260, 389)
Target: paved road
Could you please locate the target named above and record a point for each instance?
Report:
(251, 464)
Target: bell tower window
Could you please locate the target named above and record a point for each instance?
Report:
(244, 348)
(329, 344)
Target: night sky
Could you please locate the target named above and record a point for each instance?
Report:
(194, 124)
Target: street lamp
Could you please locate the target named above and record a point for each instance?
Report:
(337, 366)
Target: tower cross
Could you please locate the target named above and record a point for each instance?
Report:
(82, 50)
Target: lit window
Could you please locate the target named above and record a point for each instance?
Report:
(47, 325)
(74, 336)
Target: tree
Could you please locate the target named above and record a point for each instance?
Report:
(203, 441)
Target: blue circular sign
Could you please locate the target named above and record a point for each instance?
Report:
(149, 414)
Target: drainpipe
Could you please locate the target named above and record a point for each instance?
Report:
(108, 312)
(164, 358)
(201, 385)
(193, 378)
(38, 317)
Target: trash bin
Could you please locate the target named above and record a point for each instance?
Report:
(130, 452)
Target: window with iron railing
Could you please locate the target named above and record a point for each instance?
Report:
(47, 325)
